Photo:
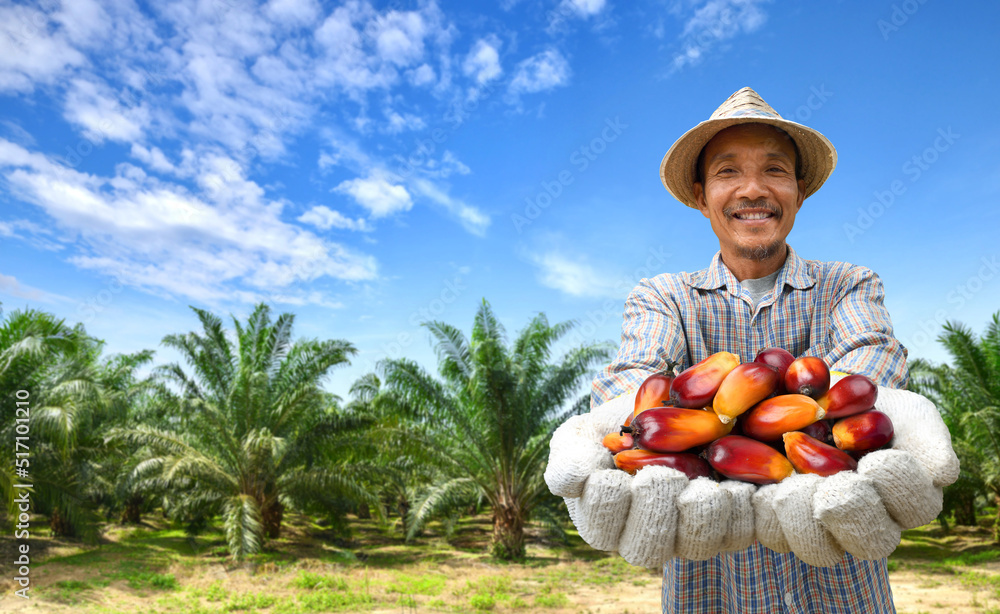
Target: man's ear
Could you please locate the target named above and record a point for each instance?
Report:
(802, 193)
(699, 198)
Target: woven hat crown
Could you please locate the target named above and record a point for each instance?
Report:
(744, 103)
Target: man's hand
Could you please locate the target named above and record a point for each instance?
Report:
(893, 489)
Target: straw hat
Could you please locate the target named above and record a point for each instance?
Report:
(677, 171)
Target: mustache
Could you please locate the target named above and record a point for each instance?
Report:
(747, 204)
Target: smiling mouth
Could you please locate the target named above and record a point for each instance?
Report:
(753, 215)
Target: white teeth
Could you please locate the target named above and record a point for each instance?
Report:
(753, 216)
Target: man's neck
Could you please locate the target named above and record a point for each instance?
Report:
(747, 268)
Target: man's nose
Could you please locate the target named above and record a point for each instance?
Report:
(752, 187)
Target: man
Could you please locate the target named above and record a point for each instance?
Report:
(748, 171)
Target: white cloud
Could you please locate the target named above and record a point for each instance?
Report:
(292, 12)
(573, 276)
(421, 75)
(540, 72)
(399, 37)
(93, 107)
(483, 61)
(377, 194)
(324, 218)
(585, 8)
(400, 122)
(717, 21)
(471, 218)
(84, 21)
(165, 239)
(10, 285)
(153, 158)
(32, 50)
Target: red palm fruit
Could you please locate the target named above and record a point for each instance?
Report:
(865, 431)
(742, 458)
(808, 375)
(809, 455)
(697, 385)
(616, 442)
(819, 430)
(688, 464)
(851, 395)
(772, 418)
(779, 359)
(654, 391)
(744, 387)
(675, 429)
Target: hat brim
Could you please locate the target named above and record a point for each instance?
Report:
(678, 168)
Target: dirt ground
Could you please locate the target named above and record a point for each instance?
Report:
(912, 592)
(434, 575)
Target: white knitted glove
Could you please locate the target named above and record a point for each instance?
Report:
(893, 489)
(918, 429)
(649, 518)
(582, 471)
(576, 451)
(808, 538)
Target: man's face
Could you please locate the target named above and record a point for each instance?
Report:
(749, 191)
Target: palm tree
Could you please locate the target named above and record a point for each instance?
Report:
(487, 422)
(252, 430)
(968, 395)
(33, 347)
(84, 399)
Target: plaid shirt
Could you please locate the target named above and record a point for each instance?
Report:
(832, 310)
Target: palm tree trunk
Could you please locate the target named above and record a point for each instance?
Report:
(271, 515)
(60, 525)
(508, 533)
(996, 522)
(403, 507)
(965, 511)
(132, 514)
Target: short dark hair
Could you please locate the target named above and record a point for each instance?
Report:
(699, 165)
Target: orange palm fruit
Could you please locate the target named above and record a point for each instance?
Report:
(697, 385)
(616, 442)
(865, 431)
(675, 429)
(851, 395)
(749, 460)
(772, 418)
(654, 390)
(689, 464)
(744, 387)
(807, 375)
(809, 455)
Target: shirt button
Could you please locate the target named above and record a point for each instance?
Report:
(788, 599)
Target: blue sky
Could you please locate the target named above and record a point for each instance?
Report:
(368, 166)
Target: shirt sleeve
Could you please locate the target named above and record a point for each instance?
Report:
(860, 335)
(652, 336)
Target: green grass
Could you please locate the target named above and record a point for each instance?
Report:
(426, 584)
(549, 598)
(310, 581)
(377, 569)
(249, 602)
(68, 591)
(325, 601)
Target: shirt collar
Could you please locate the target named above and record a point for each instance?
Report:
(793, 272)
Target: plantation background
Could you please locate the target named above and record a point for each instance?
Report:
(233, 482)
